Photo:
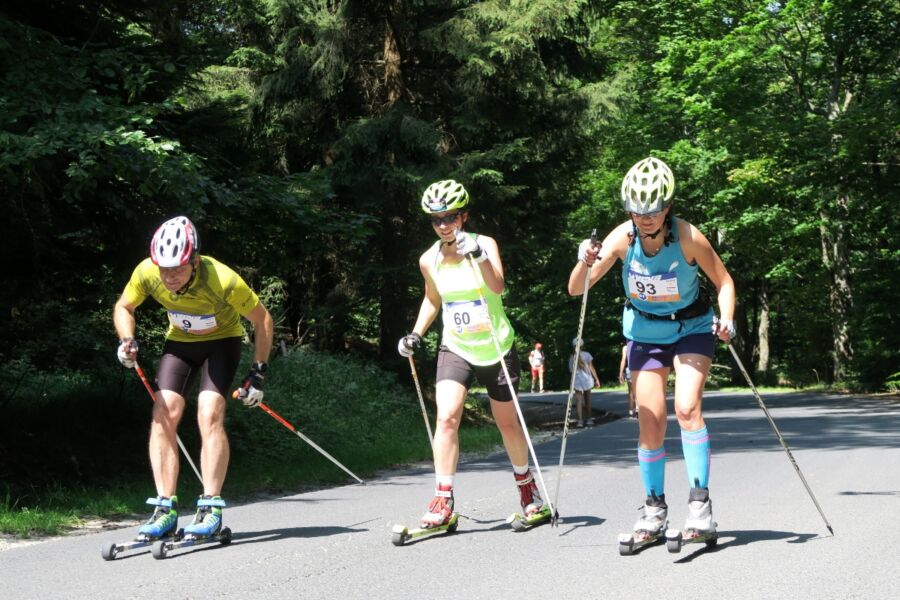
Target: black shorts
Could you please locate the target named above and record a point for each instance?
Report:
(218, 360)
(455, 368)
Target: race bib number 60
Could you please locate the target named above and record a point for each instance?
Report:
(193, 324)
(467, 317)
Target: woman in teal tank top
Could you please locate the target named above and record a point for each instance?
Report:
(472, 314)
(668, 321)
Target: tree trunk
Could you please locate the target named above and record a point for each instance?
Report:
(394, 244)
(835, 256)
(762, 362)
(393, 75)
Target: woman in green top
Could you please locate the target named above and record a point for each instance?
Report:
(472, 314)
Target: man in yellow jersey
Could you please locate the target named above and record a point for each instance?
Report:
(470, 319)
(205, 301)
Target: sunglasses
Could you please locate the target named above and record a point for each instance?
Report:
(651, 215)
(445, 220)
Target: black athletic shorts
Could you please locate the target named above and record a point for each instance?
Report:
(217, 359)
(455, 368)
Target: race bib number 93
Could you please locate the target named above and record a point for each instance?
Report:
(653, 288)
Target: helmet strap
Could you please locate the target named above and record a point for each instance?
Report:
(653, 235)
(190, 280)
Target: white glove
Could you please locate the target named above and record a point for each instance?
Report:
(127, 352)
(724, 328)
(466, 244)
(408, 344)
(250, 392)
(250, 396)
(588, 250)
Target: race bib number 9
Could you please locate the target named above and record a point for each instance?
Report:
(193, 324)
(653, 288)
(467, 317)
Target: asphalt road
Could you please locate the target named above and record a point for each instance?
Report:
(336, 543)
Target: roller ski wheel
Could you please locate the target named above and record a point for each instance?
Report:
(521, 523)
(111, 550)
(676, 539)
(401, 534)
(161, 548)
(632, 543)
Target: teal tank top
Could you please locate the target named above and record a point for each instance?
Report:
(661, 285)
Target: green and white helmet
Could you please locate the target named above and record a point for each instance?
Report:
(445, 195)
(647, 187)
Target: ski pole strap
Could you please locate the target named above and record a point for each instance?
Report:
(697, 308)
(215, 501)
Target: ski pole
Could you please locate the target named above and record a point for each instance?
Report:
(512, 391)
(554, 520)
(415, 376)
(143, 377)
(784, 445)
(283, 421)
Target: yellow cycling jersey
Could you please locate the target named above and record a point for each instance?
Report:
(210, 309)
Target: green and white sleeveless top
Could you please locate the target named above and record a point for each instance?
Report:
(467, 320)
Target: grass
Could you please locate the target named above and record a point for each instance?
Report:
(369, 422)
(59, 509)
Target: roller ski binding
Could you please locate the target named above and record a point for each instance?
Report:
(534, 512)
(439, 518)
(206, 528)
(161, 525)
(649, 529)
(699, 527)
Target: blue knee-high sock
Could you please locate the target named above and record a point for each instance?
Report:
(695, 445)
(653, 470)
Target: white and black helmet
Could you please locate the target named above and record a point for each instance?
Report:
(647, 187)
(445, 195)
(174, 243)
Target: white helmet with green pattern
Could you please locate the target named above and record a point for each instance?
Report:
(647, 187)
(443, 196)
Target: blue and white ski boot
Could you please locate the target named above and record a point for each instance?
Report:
(164, 520)
(206, 528)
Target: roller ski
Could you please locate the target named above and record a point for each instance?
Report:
(440, 518)
(699, 527)
(649, 529)
(161, 526)
(534, 512)
(206, 528)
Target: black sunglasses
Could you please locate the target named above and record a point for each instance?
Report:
(446, 219)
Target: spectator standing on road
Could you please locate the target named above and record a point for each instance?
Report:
(536, 359)
(585, 380)
(625, 378)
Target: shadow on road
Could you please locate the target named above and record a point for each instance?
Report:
(252, 537)
(569, 524)
(742, 538)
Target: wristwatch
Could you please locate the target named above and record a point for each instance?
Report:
(260, 367)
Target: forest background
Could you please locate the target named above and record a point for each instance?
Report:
(299, 136)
